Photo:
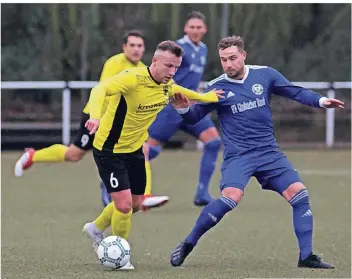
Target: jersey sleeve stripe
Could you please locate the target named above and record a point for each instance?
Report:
(216, 80)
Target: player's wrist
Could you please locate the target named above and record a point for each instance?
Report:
(321, 102)
(182, 110)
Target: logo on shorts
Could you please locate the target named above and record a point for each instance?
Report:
(257, 89)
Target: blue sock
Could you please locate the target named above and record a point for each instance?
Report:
(105, 196)
(303, 222)
(154, 151)
(207, 165)
(209, 217)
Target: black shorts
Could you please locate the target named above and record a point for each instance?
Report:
(121, 171)
(83, 139)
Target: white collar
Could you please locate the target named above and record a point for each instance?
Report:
(193, 45)
(239, 80)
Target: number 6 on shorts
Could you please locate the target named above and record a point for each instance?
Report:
(113, 181)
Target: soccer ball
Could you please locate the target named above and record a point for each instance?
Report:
(114, 252)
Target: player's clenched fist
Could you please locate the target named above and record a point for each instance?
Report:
(92, 125)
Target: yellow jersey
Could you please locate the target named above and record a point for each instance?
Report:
(113, 66)
(135, 99)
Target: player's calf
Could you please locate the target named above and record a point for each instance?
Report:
(208, 218)
(207, 167)
(302, 217)
(105, 196)
(137, 201)
(297, 195)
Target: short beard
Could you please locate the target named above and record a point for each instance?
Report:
(236, 75)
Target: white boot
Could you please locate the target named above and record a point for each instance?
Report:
(94, 234)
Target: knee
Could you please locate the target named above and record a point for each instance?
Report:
(73, 156)
(299, 197)
(123, 205)
(213, 145)
(234, 194)
(294, 190)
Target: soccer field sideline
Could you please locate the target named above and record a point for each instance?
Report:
(42, 237)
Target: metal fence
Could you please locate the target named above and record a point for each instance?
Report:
(285, 114)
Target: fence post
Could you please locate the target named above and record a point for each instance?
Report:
(330, 122)
(66, 116)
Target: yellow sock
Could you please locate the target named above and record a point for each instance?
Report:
(54, 153)
(121, 224)
(148, 186)
(104, 219)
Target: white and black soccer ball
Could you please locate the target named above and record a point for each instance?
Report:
(114, 252)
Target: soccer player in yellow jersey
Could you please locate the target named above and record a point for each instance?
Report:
(135, 98)
(133, 50)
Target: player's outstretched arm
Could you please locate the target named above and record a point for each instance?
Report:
(211, 96)
(283, 87)
(191, 114)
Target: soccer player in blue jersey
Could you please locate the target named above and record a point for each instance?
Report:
(250, 147)
(169, 121)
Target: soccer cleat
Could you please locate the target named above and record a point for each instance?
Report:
(181, 252)
(314, 261)
(202, 200)
(151, 201)
(127, 266)
(24, 162)
(94, 234)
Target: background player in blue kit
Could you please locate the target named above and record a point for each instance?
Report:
(168, 121)
(250, 146)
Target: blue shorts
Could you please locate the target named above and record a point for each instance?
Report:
(168, 121)
(272, 170)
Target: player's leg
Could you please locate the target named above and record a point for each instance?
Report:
(113, 172)
(205, 131)
(141, 195)
(163, 128)
(138, 177)
(280, 176)
(235, 176)
(148, 188)
(149, 200)
(57, 152)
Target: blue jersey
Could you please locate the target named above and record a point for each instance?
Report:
(194, 58)
(189, 75)
(244, 115)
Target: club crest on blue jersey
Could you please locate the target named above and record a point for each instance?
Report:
(257, 89)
